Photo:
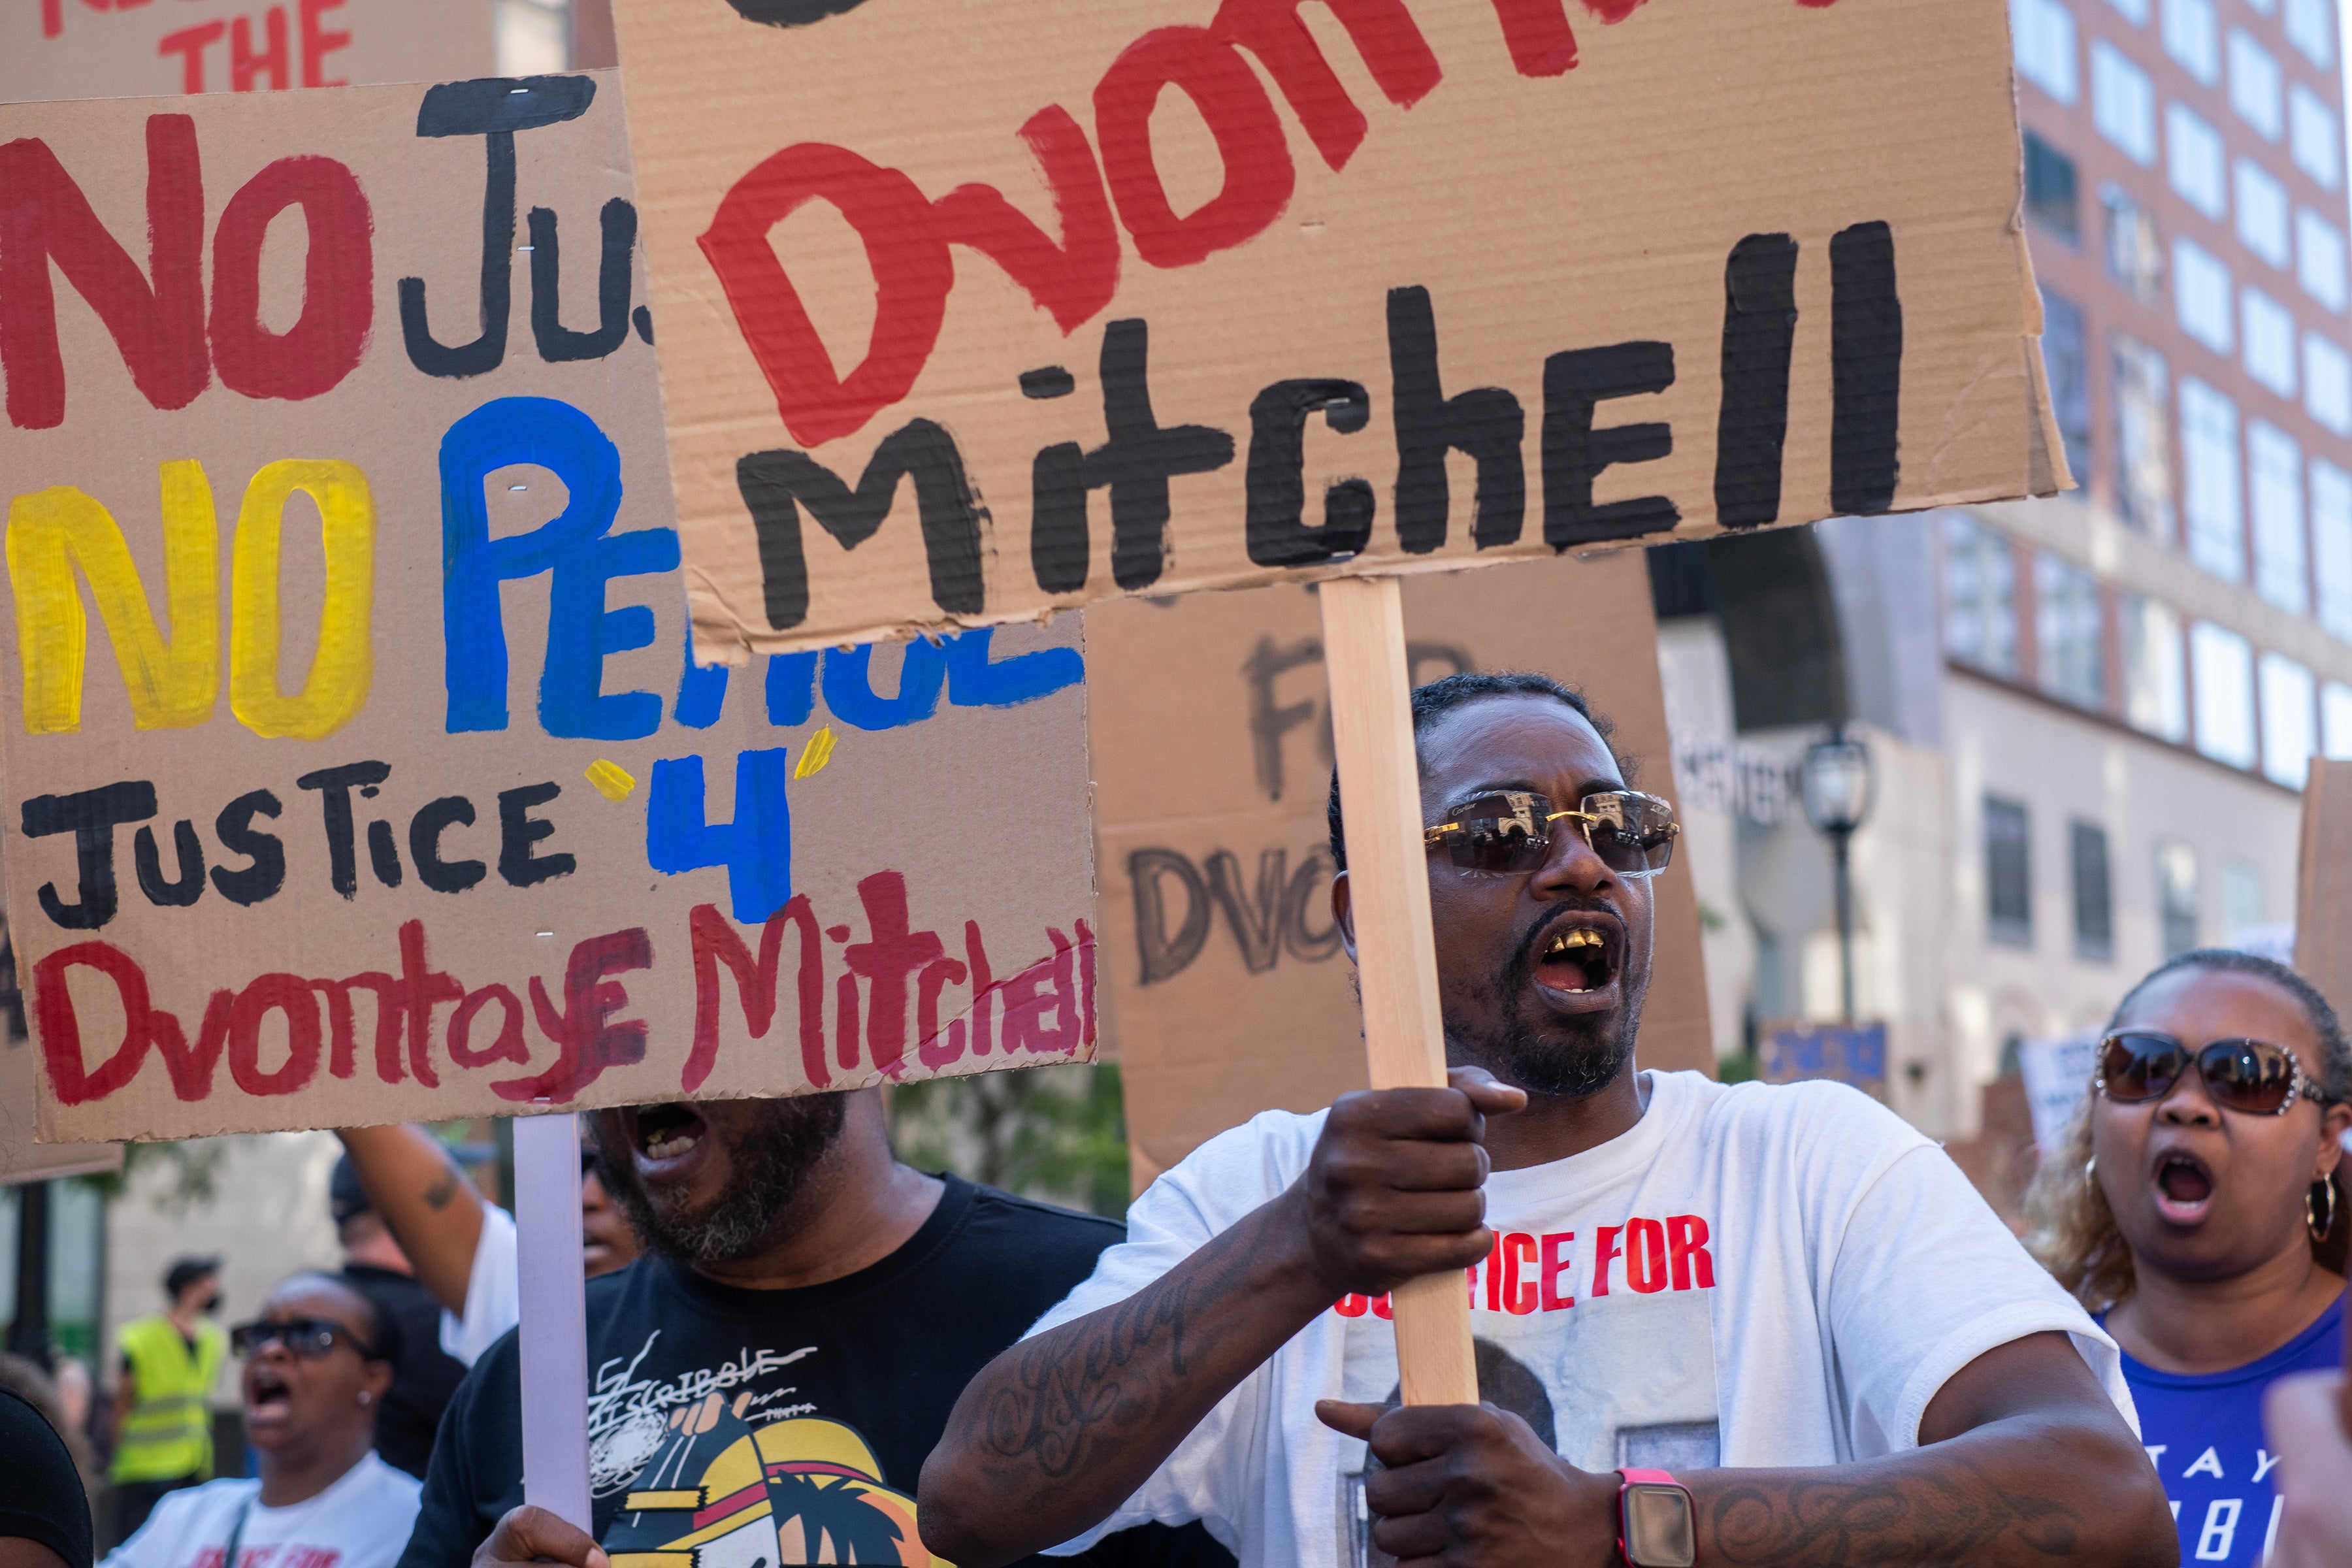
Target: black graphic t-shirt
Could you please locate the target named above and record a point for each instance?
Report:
(734, 1428)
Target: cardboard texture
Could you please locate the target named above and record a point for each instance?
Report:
(1142, 299)
(1227, 990)
(2322, 926)
(21, 1158)
(137, 48)
(356, 770)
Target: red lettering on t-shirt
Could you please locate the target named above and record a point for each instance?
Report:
(1554, 1266)
(1686, 1245)
(1605, 1248)
(1518, 1293)
(1646, 1256)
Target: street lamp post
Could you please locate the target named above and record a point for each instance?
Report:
(1837, 790)
(28, 1333)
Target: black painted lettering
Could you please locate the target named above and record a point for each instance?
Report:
(1485, 423)
(147, 856)
(91, 815)
(1865, 371)
(1167, 954)
(1278, 533)
(424, 831)
(558, 344)
(1574, 453)
(1759, 336)
(334, 786)
(518, 830)
(235, 831)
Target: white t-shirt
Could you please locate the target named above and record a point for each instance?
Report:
(493, 1291)
(1751, 1276)
(360, 1522)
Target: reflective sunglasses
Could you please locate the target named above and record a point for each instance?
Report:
(312, 1339)
(1511, 831)
(2250, 1077)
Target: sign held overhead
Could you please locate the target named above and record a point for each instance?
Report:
(1148, 300)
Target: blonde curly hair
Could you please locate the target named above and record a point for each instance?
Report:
(2076, 1236)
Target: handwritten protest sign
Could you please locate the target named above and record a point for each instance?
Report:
(1226, 990)
(138, 48)
(1143, 298)
(21, 1158)
(2322, 942)
(379, 785)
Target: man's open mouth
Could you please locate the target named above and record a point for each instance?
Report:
(660, 1133)
(2184, 1186)
(1580, 954)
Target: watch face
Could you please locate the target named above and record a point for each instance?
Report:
(1659, 1532)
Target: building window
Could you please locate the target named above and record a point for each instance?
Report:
(2274, 475)
(2290, 733)
(2132, 11)
(2043, 32)
(2311, 28)
(2009, 872)
(2156, 670)
(2063, 355)
(1979, 595)
(2209, 454)
(2241, 898)
(2094, 899)
(2070, 632)
(2135, 249)
(2192, 36)
(2143, 401)
(2221, 675)
(2254, 83)
(2176, 896)
(2201, 293)
(2327, 383)
(2122, 102)
(2195, 160)
(2263, 214)
(2335, 720)
(2269, 332)
(2331, 547)
(2051, 197)
(2315, 136)
(2319, 258)
(534, 37)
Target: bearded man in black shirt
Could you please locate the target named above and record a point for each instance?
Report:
(765, 1381)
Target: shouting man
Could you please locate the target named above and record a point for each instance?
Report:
(766, 1378)
(1714, 1324)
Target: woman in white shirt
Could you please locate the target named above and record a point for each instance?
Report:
(316, 1363)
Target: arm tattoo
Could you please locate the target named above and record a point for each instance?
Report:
(437, 1195)
(1954, 1515)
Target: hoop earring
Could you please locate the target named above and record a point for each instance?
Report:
(2321, 1229)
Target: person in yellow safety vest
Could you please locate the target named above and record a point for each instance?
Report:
(162, 1405)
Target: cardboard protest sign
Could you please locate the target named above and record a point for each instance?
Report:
(138, 48)
(2322, 926)
(21, 1158)
(379, 786)
(1145, 297)
(1227, 990)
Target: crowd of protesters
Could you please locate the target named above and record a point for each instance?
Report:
(1713, 1323)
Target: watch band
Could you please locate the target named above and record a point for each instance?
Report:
(1626, 1480)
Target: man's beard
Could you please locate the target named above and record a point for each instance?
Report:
(771, 1158)
(1568, 1058)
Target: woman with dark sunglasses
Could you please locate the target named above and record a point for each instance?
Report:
(2196, 1207)
(318, 1362)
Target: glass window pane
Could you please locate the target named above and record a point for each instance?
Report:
(2135, 249)
(1979, 595)
(2070, 632)
(2122, 102)
(2043, 34)
(2051, 199)
(2282, 574)
(2311, 28)
(2270, 341)
(2263, 224)
(2203, 296)
(2290, 733)
(2215, 503)
(2327, 383)
(2319, 258)
(2195, 160)
(2331, 540)
(2156, 670)
(2063, 358)
(2254, 84)
(2143, 403)
(2177, 897)
(2095, 921)
(2221, 673)
(2009, 872)
(2191, 36)
(2316, 141)
(2335, 720)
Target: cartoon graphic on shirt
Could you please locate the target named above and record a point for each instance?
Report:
(797, 1490)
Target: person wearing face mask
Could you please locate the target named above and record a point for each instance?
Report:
(2197, 1208)
(317, 1363)
(163, 1418)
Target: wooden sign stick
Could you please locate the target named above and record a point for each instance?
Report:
(554, 1325)
(1396, 954)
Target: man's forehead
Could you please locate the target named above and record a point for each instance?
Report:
(1514, 738)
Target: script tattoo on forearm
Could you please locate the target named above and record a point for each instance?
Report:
(1961, 1515)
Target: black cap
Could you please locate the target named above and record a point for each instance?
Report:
(346, 1199)
(186, 1272)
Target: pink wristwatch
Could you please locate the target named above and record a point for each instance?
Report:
(1656, 1525)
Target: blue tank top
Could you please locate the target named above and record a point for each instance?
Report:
(2204, 1433)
